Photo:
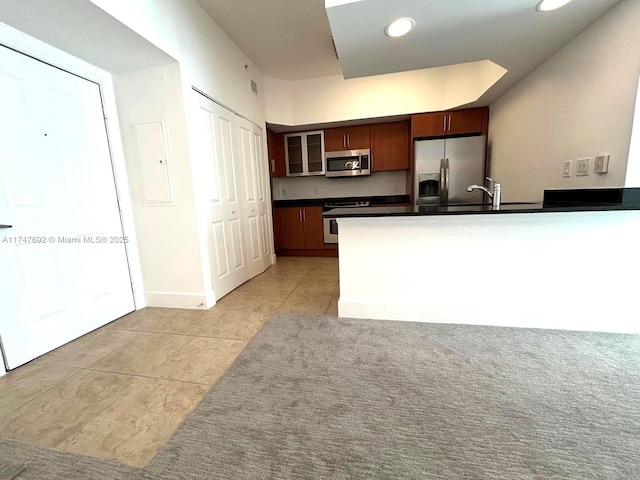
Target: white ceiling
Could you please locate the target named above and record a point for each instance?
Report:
(291, 39)
(511, 33)
(85, 31)
(287, 39)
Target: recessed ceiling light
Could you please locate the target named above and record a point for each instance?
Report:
(399, 27)
(548, 5)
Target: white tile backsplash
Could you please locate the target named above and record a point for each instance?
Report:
(379, 183)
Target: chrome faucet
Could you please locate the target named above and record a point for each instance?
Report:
(493, 195)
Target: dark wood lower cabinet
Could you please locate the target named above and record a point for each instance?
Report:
(293, 228)
(299, 231)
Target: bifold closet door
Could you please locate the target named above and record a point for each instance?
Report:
(219, 158)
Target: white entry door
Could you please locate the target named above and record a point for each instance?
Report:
(64, 268)
(218, 155)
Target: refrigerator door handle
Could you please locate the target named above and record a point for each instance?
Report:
(446, 176)
(443, 179)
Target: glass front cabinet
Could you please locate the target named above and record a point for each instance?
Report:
(304, 153)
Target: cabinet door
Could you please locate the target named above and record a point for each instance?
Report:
(293, 231)
(465, 121)
(275, 144)
(278, 228)
(358, 137)
(294, 154)
(315, 156)
(335, 139)
(429, 124)
(313, 228)
(390, 146)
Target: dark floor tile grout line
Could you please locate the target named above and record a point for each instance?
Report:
(189, 335)
(138, 375)
(79, 370)
(154, 331)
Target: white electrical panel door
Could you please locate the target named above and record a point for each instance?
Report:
(153, 160)
(64, 264)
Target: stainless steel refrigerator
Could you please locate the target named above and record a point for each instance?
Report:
(444, 168)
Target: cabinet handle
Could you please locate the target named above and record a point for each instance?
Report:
(344, 141)
(444, 123)
(349, 140)
(300, 215)
(273, 165)
(304, 216)
(449, 129)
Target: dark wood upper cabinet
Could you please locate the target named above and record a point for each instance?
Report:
(465, 121)
(347, 138)
(455, 122)
(390, 144)
(275, 148)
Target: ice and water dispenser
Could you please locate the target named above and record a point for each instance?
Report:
(428, 188)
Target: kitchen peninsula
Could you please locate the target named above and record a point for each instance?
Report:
(568, 263)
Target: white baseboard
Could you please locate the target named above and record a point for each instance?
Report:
(610, 319)
(191, 301)
(210, 299)
(139, 299)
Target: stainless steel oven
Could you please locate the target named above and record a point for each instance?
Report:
(348, 163)
(330, 224)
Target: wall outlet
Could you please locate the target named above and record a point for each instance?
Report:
(602, 164)
(283, 192)
(395, 187)
(566, 170)
(315, 190)
(582, 167)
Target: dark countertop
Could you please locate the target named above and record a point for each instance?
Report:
(318, 202)
(555, 201)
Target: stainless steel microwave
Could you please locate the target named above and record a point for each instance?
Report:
(348, 163)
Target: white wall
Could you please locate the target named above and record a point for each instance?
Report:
(577, 104)
(208, 58)
(332, 99)
(633, 165)
(167, 235)
(534, 270)
(379, 183)
(209, 61)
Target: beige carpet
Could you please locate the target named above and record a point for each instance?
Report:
(321, 397)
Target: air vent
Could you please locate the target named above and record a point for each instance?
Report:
(254, 86)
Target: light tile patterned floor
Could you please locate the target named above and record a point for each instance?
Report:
(121, 391)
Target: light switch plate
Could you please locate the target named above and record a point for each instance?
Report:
(602, 164)
(566, 170)
(582, 167)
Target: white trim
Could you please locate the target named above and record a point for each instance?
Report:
(191, 301)
(577, 318)
(23, 43)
